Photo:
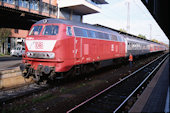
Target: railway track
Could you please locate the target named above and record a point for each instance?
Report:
(7, 96)
(114, 98)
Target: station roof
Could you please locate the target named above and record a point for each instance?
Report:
(159, 9)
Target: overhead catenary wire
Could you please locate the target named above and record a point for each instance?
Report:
(107, 15)
(148, 15)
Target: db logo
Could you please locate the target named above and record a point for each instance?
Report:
(38, 45)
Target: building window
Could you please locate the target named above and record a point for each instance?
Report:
(45, 8)
(34, 5)
(54, 10)
(10, 1)
(5, 0)
(20, 3)
(16, 30)
(31, 5)
(23, 3)
(26, 4)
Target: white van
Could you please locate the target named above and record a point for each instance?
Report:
(18, 51)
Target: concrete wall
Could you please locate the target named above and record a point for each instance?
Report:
(12, 78)
(70, 15)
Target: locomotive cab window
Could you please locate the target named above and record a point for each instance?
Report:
(68, 31)
(35, 30)
(50, 30)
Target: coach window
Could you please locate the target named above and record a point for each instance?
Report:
(68, 31)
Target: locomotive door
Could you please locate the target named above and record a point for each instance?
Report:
(77, 49)
(121, 48)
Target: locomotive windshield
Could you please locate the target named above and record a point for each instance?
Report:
(50, 30)
(35, 30)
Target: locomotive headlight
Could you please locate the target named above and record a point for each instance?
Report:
(29, 54)
(47, 55)
(50, 55)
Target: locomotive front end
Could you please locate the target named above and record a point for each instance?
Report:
(41, 58)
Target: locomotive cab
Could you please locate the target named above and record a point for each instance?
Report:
(44, 52)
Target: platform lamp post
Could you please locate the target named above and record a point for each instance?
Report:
(150, 26)
(128, 15)
(58, 9)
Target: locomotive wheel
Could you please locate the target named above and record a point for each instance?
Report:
(36, 78)
(52, 76)
(69, 73)
(92, 68)
(85, 69)
(88, 68)
(96, 65)
(27, 73)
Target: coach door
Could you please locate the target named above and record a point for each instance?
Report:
(121, 48)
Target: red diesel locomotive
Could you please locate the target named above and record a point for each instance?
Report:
(57, 48)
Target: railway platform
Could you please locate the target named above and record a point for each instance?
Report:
(155, 98)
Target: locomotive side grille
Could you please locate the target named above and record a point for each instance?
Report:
(45, 55)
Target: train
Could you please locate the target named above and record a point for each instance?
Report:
(57, 48)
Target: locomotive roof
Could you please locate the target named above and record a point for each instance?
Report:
(68, 22)
(97, 27)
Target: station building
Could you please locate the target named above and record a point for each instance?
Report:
(64, 9)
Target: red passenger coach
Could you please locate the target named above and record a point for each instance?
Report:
(57, 47)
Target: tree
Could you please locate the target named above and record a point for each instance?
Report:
(4, 34)
(154, 40)
(122, 30)
(142, 36)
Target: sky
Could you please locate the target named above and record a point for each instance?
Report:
(114, 15)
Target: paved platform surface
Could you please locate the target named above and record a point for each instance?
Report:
(154, 98)
(9, 62)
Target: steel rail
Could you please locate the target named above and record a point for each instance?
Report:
(140, 85)
(9, 68)
(23, 93)
(81, 104)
